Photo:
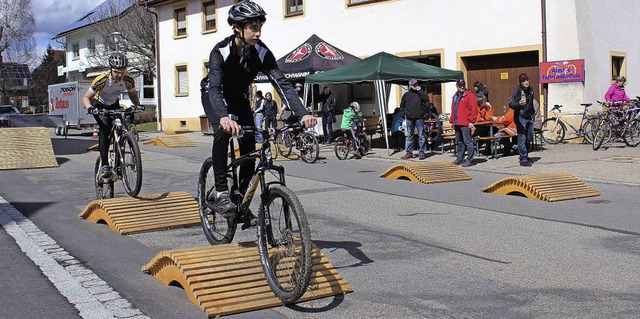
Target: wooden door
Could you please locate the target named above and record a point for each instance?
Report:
(499, 73)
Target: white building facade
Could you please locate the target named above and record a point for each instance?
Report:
(490, 41)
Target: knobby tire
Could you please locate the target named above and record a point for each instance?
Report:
(217, 229)
(131, 165)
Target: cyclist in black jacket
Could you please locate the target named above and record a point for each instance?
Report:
(233, 64)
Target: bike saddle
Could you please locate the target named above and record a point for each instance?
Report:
(556, 107)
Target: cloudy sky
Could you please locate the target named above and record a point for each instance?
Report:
(53, 15)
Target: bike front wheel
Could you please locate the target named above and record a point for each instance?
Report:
(603, 129)
(310, 149)
(341, 148)
(104, 188)
(284, 143)
(365, 144)
(217, 228)
(131, 162)
(284, 243)
(588, 129)
(553, 131)
(632, 134)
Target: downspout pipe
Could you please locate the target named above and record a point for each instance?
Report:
(545, 87)
(157, 63)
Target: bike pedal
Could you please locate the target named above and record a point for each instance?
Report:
(250, 223)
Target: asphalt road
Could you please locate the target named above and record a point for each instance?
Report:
(409, 250)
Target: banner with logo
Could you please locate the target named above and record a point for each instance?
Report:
(562, 71)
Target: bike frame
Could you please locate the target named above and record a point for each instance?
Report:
(578, 132)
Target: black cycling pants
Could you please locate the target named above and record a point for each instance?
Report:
(105, 124)
(219, 154)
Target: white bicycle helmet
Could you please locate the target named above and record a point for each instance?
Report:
(117, 60)
(355, 106)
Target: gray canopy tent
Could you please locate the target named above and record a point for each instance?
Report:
(384, 69)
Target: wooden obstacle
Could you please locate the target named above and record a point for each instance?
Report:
(127, 215)
(26, 147)
(228, 279)
(430, 172)
(549, 187)
(172, 141)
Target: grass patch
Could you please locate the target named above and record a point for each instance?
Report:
(147, 127)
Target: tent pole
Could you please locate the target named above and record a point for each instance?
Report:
(382, 101)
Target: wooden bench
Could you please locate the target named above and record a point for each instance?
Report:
(537, 137)
(494, 143)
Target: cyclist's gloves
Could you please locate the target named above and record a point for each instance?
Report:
(92, 110)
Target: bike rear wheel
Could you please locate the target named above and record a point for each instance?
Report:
(309, 148)
(588, 130)
(284, 243)
(131, 165)
(285, 143)
(553, 131)
(341, 148)
(217, 228)
(104, 189)
(632, 134)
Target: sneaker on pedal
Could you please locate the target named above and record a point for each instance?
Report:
(250, 220)
(224, 206)
(107, 174)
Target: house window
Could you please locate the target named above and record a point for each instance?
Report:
(181, 80)
(180, 22)
(209, 16)
(148, 90)
(75, 51)
(294, 7)
(358, 2)
(91, 46)
(618, 65)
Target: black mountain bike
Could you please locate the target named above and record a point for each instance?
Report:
(124, 158)
(302, 140)
(284, 240)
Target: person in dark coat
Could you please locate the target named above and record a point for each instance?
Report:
(328, 108)
(481, 88)
(522, 104)
(270, 112)
(413, 105)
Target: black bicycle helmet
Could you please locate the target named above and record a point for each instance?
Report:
(244, 11)
(117, 60)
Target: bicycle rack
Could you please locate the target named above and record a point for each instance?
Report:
(431, 172)
(227, 279)
(550, 187)
(26, 147)
(172, 141)
(128, 215)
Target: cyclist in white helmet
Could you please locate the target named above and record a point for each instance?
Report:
(104, 92)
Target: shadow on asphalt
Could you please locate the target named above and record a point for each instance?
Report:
(29, 209)
(70, 146)
(313, 307)
(352, 247)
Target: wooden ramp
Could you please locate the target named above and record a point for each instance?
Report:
(172, 141)
(549, 187)
(26, 147)
(127, 215)
(228, 279)
(429, 172)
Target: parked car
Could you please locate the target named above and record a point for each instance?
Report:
(5, 112)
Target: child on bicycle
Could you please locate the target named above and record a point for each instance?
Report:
(350, 118)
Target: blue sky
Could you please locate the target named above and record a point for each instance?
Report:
(53, 15)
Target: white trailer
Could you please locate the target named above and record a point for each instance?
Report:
(65, 99)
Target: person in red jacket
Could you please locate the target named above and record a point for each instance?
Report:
(464, 112)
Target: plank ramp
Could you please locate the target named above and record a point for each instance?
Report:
(26, 147)
(429, 172)
(128, 215)
(228, 279)
(548, 187)
(172, 141)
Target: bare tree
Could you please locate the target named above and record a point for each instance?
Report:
(137, 27)
(16, 37)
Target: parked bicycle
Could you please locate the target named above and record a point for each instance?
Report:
(554, 128)
(432, 128)
(303, 140)
(124, 157)
(617, 122)
(284, 240)
(343, 143)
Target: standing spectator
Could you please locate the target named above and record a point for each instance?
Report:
(522, 104)
(397, 135)
(413, 105)
(481, 88)
(270, 111)
(509, 131)
(258, 114)
(464, 112)
(328, 108)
